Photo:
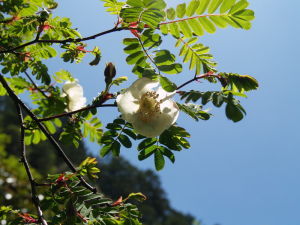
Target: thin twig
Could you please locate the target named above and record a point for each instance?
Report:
(76, 111)
(34, 196)
(146, 52)
(34, 84)
(52, 140)
(208, 74)
(37, 40)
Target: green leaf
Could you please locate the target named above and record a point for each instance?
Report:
(166, 152)
(180, 10)
(239, 83)
(159, 160)
(125, 141)
(50, 126)
(146, 12)
(196, 54)
(133, 58)
(171, 69)
(63, 76)
(167, 85)
(147, 152)
(92, 128)
(147, 143)
(240, 5)
(233, 112)
(192, 7)
(115, 148)
(113, 7)
(164, 57)
(171, 14)
(119, 80)
(203, 6)
(226, 5)
(194, 111)
(205, 13)
(207, 25)
(105, 150)
(97, 53)
(214, 5)
(130, 133)
(132, 48)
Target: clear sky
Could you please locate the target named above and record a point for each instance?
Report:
(244, 173)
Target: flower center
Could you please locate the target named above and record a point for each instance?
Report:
(149, 106)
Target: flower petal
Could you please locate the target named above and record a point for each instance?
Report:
(142, 85)
(159, 122)
(74, 92)
(170, 107)
(78, 104)
(127, 105)
(164, 95)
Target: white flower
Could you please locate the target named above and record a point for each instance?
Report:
(74, 92)
(150, 112)
(8, 196)
(10, 180)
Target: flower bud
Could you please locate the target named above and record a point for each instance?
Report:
(109, 73)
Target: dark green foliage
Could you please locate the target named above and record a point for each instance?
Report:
(119, 134)
(239, 83)
(172, 139)
(194, 111)
(234, 111)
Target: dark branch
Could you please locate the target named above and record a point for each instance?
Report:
(146, 52)
(37, 40)
(76, 111)
(34, 196)
(34, 84)
(208, 74)
(57, 147)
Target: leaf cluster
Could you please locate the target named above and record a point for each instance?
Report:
(119, 134)
(201, 16)
(145, 12)
(72, 203)
(234, 110)
(172, 139)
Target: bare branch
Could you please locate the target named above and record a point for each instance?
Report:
(208, 74)
(76, 111)
(34, 196)
(34, 84)
(37, 40)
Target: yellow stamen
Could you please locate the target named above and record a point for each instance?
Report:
(149, 106)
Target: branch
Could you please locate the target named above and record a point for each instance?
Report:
(57, 147)
(208, 74)
(34, 84)
(76, 111)
(146, 52)
(34, 196)
(37, 40)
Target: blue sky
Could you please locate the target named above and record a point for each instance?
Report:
(244, 173)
